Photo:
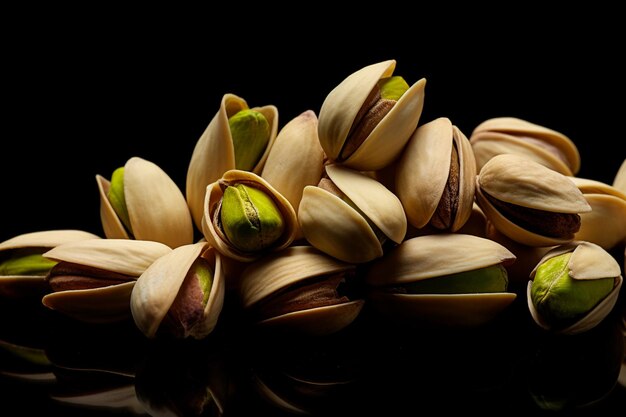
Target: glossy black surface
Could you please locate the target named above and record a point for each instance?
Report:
(375, 365)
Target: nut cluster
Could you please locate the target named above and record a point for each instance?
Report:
(306, 225)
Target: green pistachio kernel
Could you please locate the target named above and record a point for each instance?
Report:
(117, 198)
(392, 88)
(33, 264)
(559, 298)
(250, 218)
(484, 280)
(250, 131)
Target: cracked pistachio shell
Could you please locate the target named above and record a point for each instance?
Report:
(515, 136)
(431, 256)
(388, 138)
(214, 235)
(120, 399)
(287, 268)
(620, 178)
(338, 229)
(296, 158)
(40, 242)
(156, 206)
(605, 224)
(520, 181)
(104, 304)
(588, 261)
(214, 153)
(157, 288)
(423, 171)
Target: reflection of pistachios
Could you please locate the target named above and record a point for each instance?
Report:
(250, 218)
(250, 131)
(558, 297)
(33, 264)
(117, 198)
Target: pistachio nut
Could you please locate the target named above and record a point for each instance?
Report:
(516, 136)
(246, 217)
(435, 177)
(442, 280)
(236, 138)
(142, 202)
(350, 215)
(573, 288)
(300, 290)
(528, 202)
(605, 224)
(93, 279)
(296, 158)
(620, 178)
(23, 269)
(117, 400)
(180, 294)
(367, 119)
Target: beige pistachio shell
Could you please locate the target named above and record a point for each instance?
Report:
(24, 285)
(157, 288)
(121, 399)
(334, 227)
(97, 305)
(287, 268)
(111, 223)
(214, 153)
(214, 194)
(424, 168)
(516, 180)
(45, 239)
(129, 257)
(436, 255)
(588, 261)
(156, 207)
(605, 225)
(296, 158)
(620, 178)
(387, 139)
(515, 136)
(317, 321)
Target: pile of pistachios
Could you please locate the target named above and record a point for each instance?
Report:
(440, 230)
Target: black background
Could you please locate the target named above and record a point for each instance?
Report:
(80, 100)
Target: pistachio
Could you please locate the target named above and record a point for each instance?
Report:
(250, 131)
(381, 100)
(181, 294)
(32, 264)
(620, 178)
(187, 310)
(245, 217)
(250, 218)
(483, 280)
(366, 121)
(435, 176)
(573, 288)
(561, 299)
(117, 198)
(142, 202)
(68, 276)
